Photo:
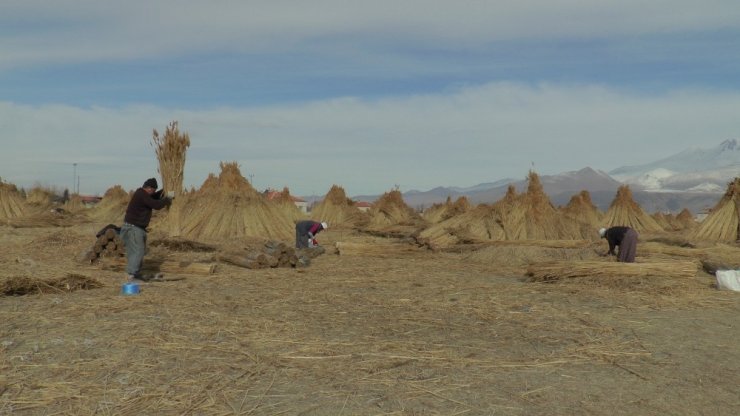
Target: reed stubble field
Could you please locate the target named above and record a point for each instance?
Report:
(420, 333)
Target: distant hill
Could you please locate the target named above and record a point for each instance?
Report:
(694, 179)
(692, 170)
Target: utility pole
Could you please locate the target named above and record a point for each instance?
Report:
(74, 177)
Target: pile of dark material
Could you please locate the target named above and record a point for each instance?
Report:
(272, 254)
(107, 244)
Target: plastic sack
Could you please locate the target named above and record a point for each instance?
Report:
(728, 279)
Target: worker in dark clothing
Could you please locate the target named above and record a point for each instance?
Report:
(625, 238)
(133, 231)
(305, 233)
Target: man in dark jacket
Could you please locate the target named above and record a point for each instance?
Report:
(138, 215)
(625, 238)
(305, 233)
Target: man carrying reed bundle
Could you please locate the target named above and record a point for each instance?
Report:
(625, 238)
(133, 232)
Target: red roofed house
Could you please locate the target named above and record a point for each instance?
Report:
(363, 206)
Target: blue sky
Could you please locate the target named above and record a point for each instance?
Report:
(367, 95)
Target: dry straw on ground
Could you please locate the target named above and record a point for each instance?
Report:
(227, 208)
(624, 211)
(562, 270)
(338, 210)
(723, 223)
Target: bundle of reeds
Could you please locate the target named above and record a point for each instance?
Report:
(685, 220)
(39, 197)
(723, 223)
(390, 209)
(440, 212)
(171, 149)
(552, 271)
(226, 208)
(338, 210)
(532, 216)
(12, 204)
(272, 254)
(624, 211)
(523, 255)
(581, 209)
(284, 201)
(112, 207)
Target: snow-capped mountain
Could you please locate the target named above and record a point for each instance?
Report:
(693, 170)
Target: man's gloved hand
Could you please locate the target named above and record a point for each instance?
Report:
(315, 242)
(157, 194)
(171, 194)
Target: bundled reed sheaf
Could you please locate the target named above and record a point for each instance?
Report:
(171, 149)
(40, 198)
(285, 203)
(272, 254)
(581, 210)
(723, 222)
(112, 207)
(338, 210)
(440, 212)
(529, 216)
(12, 204)
(552, 271)
(226, 208)
(390, 209)
(624, 211)
(685, 220)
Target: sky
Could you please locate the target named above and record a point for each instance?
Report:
(366, 95)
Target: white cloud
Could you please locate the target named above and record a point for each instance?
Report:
(461, 137)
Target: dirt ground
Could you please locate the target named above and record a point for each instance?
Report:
(417, 334)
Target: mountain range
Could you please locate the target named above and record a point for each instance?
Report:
(694, 178)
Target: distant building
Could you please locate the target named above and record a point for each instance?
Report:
(301, 203)
(363, 206)
(90, 201)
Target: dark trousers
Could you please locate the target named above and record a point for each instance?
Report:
(628, 247)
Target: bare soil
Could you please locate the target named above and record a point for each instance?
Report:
(418, 334)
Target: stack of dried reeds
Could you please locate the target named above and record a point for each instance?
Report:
(582, 211)
(272, 254)
(390, 209)
(286, 204)
(112, 207)
(338, 210)
(552, 271)
(685, 220)
(226, 208)
(723, 223)
(624, 211)
(12, 204)
(40, 198)
(531, 216)
(440, 212)
(73, 204)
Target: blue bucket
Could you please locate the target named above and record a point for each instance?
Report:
(130, 289)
